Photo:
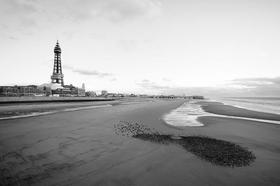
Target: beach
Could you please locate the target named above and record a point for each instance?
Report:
(81, 147)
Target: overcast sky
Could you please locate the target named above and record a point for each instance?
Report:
(211, 47)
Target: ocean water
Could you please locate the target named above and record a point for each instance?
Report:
(187, 113)
(262, 104)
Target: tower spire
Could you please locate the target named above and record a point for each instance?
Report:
(57, 76)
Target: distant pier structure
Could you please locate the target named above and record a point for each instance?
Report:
(57, 76)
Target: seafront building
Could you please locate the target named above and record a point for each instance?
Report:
(91, 94)
(29, 90)
(55, 88)
(104, 93)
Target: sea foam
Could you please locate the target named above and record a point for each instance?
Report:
(185, 115)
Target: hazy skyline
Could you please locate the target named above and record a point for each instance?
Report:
(225, 47)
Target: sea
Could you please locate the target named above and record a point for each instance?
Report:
(187, 113)
(262, 104)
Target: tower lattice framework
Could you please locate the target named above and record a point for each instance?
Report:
(57, 76)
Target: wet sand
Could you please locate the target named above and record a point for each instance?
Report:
(81, 148)
(10, 110)
(44, 99)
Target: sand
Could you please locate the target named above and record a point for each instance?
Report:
(82, 148)
(44, 99)
(8, 110)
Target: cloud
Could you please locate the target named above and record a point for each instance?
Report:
(17, 13)
(261, 86)
(115, 10)
(129, 45)
(166, 79)
(92, 73)
(17, 7)
(147, 84)
(12, 38)
(119, 10)
(257, 82)
(88, 72)
(68, 67)
(245, 87)
(25, 17)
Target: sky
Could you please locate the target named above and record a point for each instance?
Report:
(182, 47)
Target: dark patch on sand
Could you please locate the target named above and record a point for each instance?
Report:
(218, 152)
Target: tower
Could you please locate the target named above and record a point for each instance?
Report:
(57, 76)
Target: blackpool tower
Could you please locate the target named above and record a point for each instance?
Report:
(57, 76)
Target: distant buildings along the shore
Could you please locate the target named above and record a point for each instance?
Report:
(55, 88)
